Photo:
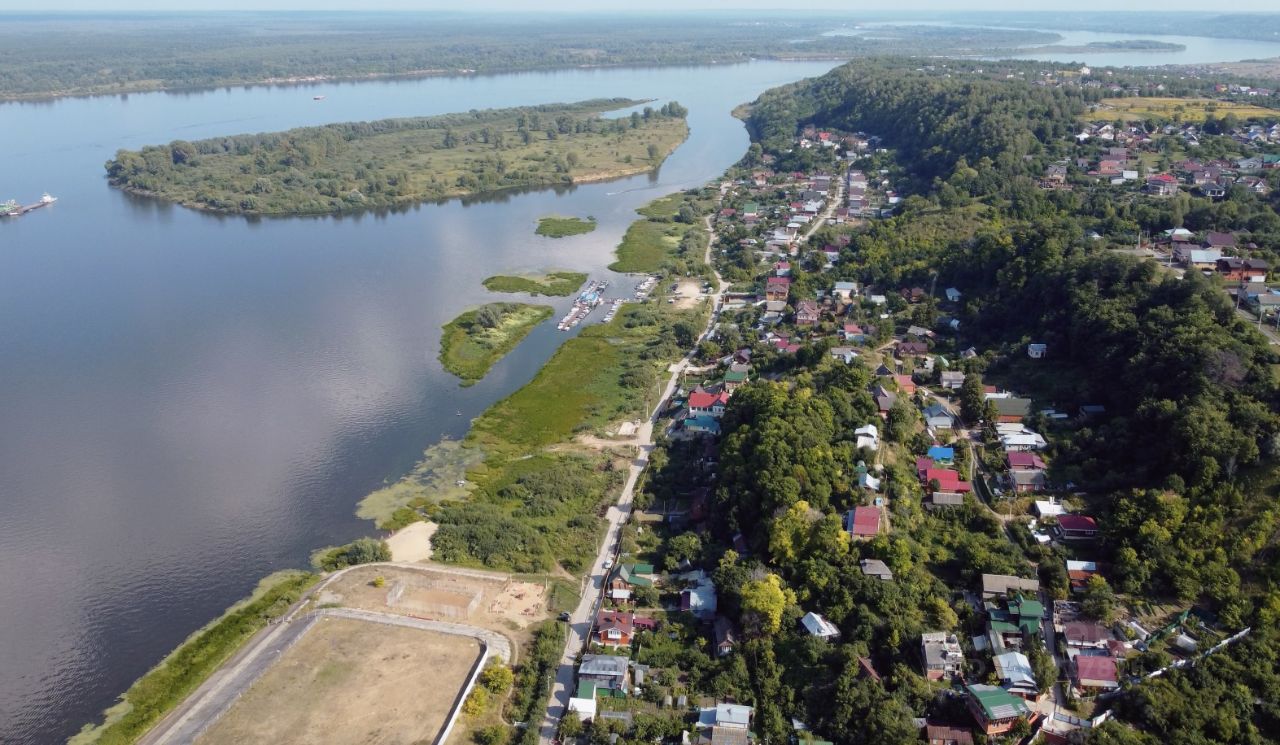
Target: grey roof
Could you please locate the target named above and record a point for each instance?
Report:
(876, 568)
(603, 664)
(733, 715)
(947, 498)
(1003, 584)
(1028, 478)
(1015, 669)
(939, 647)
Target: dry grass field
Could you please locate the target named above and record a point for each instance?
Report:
(1186, 109)
(348, 681)
(497, 604)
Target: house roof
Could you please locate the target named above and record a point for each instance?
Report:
(816, 625)
(997, 703)
(726, 735)
(1012, 406)
(733, 715)
(947, 498)
(939, 452)
(1091, 670)
(1082, 523)
(865, 521)
(876, 568)
(735, 376)
(1002, 584)
(1024, 460)
(1085, 632)
(947, 734)
(610, 620)
(629, 573)
(1015, 669)
(603, 664)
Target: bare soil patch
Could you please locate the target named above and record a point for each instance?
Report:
(490, 601)
(348, 681)
(412, 542)
(688, 294)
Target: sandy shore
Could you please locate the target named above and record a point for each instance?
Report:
(412, 543)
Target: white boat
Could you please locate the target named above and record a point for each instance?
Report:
(46, 198)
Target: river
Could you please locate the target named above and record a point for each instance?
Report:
(191, 401)
(1197, 50)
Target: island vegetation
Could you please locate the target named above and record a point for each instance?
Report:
(556, 284)
(475, 340)
(554, 226)
(1123, 45)
(670, 237)
(397, 162)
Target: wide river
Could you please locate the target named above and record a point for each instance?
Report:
(190, 402)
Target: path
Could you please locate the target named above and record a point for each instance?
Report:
(580, 619)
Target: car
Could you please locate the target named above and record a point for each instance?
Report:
(564, 616)
(608, 563)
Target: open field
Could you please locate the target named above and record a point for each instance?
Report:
(554, 226)
(560, 284)
(491, 601)
(1188, 109)
(347, 681)
(357, 166)
(475, 340)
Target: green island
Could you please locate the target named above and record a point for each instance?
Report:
(357, 166)
(1123, 45)
(556, 284)
(671, 228)
(475, 340)
(554, 226)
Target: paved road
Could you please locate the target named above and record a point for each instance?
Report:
(581, 617)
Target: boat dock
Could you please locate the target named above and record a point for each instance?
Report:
(13, 209)
(590, 297)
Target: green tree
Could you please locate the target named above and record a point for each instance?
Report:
(497, 678)
(972, 399)
(1098, 601)
(684, 547)
(763, 602)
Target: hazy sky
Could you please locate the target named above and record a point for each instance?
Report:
(632, 5)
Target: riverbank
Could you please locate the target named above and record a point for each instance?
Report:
(358, 166)
(474, 341)
(556, 284)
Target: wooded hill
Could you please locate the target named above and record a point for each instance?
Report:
(394, 162)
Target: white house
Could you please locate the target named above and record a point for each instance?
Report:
(1037, 351)
(818, 626)
(953, 295)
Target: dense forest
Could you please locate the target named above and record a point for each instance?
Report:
(1182, 470)
(47, 55)
(394, 162)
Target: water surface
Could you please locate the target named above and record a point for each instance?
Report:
(189, 401)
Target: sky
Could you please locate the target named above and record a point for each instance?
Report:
(651, 5)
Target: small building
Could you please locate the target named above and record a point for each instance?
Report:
(1077, 527)
(630, 576)
(952, 380)
(807, 313)
(735, 379)
(994, 585)
(1024, 461)
(1085, 635)
(905, 384)
(1028, 482)
(876, 568)
(708, 404)
(777, 288)
(942, 655)
(863, 522)
(700, 600)
(937, 417)
(703, 424)
(953, 295)
(845, 290)
(608, 672)
(1037, 351)
(941, 455)
(1011, 409)
(614, 628)
(867, 436)
(818, 626)
(938, 734)
(1016, 675)
(726, 637)
(994, 709)
(1079, 573)
(944, 500)
(1096, 672)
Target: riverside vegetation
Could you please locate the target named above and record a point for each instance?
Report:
(358, 166)
(558, 284)
(475, 340)
(554, 226)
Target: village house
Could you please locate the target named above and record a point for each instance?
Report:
(816, 625)
(616, 628)
(863, 522)
(1197, 258)
(1015, 674)
(867, 436)
(952, 380)
(944, 500)
(876, 568)
(628, 577)
(941, 455)
(1095, 673)
(1012, 409)
(1085, 635)
(942, 655)
(735, 377)
(937, 734)
(1028, 482)
(994, 709)
(1008, 624)
(1162, 185)
(807, 313)
(1077, 527)
(726, 637)
(1079, 573)
(994, 585)
(1243, 270)
(845, 290)
(606, 671)
(905, 384)
(700, 600)
(1037, 351)
(708, 404)
(1024, 462)
(937, 417)
(777, 288)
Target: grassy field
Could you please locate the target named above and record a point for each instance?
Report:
(560, 284)
(475, 340)
(554, 226)
(1185, 109)
(177, 675)
(397, 162)
(353, 682)
(658, 241)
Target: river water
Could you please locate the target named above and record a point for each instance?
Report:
(190, 401)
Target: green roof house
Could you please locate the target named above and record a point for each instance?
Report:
(995, 709)
(628, 577)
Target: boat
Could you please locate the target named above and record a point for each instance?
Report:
(12, 209)
(589, 299)
(317, 98)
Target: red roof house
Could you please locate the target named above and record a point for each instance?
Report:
(865, 522)
(1096, 672)
(1024, 462)
(1077, 526)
